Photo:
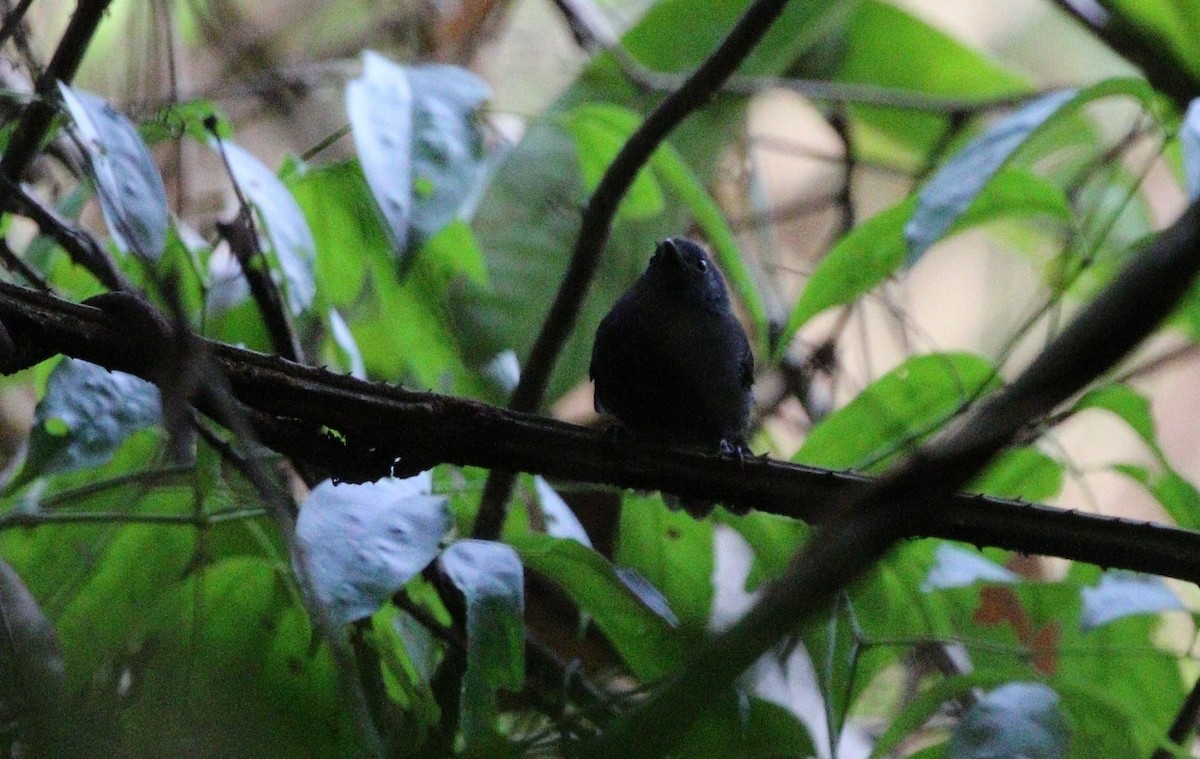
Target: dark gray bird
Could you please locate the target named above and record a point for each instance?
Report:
(670, 360)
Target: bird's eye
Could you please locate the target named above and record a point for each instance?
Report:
(701, 264)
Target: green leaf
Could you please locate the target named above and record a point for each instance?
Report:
(420, 147)
(1178, 497)
(85, 415)
(642, 637)
(773, 731)
(490, 578)
(897, 410)
(1023, 473)
(1017, 719)
(599, 131)
(254, 684)
(286, 227)
(774, 539)
(673, 551)
(364, 542)
(736, 725)
(862, 259)
(346, 228)
(1105, 725)
(917, 57)
(131, 190)
(876, 249)
(406, 332)
(1129, 405)
(670, 37)
(950, 192)
(834, 645)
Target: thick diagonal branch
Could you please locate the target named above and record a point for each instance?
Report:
(869, 522)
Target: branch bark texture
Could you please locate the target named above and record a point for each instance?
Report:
(385, 428)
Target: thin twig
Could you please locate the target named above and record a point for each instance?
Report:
(13, 262)
(140, 479)
(39, 518)
(36, 120)
(13, 21)
(1183, 724)
(83, 247)
(242, 236)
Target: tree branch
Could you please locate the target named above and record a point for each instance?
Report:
(867, 523)
(1183, 725)
(83, 248)
(1143, 48)
(596, 225)
(35, 121)
(843, 93)
(385, 429)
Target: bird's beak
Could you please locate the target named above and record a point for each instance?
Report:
(673, 251)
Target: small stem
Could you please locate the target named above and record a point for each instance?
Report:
(36, 120)
(37, 519)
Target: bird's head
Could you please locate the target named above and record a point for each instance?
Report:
(682, 269)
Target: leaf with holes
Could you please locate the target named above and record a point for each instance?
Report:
(364, 542)
(131, 189)
(418, 143)
(85, 415)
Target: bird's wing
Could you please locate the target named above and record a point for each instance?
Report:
(747, 364)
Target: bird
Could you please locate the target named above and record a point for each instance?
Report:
(671, 361)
